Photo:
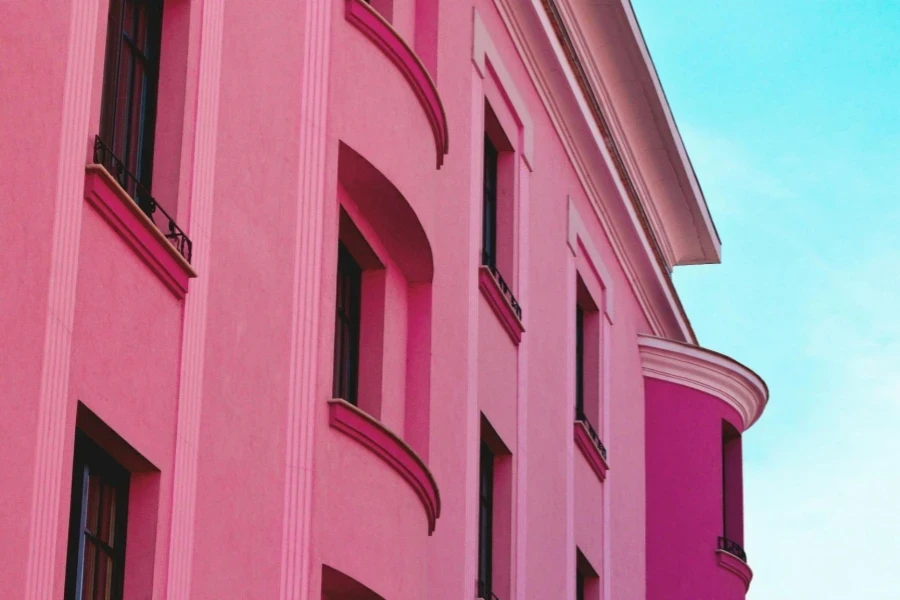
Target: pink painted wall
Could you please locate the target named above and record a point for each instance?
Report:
(684, 494)
(244, 486)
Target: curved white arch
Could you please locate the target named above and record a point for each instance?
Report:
(707, 371)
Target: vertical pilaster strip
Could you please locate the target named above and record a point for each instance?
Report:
(190, 391)
(54, 391)
(307, 275)
(521, 525)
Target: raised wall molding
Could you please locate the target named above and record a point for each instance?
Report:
(376, 28)
(53, 402)
(732, 563)
(706, 371)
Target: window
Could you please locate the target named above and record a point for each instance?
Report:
(131, 73)
(346, 328)
(732, 490)
(489, 206)
(579, 585)
(579, 363)
(95, 566)
(587, 582)
(485, 522)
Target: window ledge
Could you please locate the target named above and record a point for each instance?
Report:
(730, 562)
(372, 434)
(376, 28)
(498, 301)
(121, 212)
(590, 451)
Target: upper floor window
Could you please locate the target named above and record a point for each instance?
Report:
(732, 491)
(347, 325)
(95, 566)
(489, 206)
(485, 522)
(130, 80)
(588, 362)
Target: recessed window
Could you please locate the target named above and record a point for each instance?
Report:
(346, 332)
(588, 362)
(485, 522)
(732, 490)
(95, 567)
(587, 582)
(489, 206)
(130, 81)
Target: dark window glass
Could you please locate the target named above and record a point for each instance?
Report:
(579, 585)
(579, 363)
(131, 74)
(346, 327)
(485, 521)
(489, 208)
(95, 567)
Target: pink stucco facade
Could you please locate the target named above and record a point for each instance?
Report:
(207, 371)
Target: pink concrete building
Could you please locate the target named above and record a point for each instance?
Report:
(348, 299)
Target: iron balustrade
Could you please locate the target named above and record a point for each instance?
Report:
(482, 591)
(732, 547)
(580, 416)
(507, 293)
(141, 196)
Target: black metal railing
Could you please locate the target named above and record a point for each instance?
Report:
(482, 591)
(580, 416)
(141, 196)
(732, 547)
(485, 261)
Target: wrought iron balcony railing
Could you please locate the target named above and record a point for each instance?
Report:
(487, 262)
(103, 155)
(482, 591)
(733, 548)
(580, 416)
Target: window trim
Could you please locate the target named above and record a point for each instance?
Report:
(89, 456)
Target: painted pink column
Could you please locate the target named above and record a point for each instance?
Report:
(190, 394)
(49, 514)
(296, 559)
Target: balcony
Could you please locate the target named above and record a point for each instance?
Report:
(733, 558)
(588, 441)
(103, 155)
(483, 593)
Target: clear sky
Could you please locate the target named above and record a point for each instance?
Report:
(790, 110)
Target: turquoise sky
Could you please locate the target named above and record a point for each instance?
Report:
(790, 110)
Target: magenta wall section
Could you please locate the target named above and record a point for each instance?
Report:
(684, 494)
(212, 381)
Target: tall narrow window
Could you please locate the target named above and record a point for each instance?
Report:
(346, 328)
(485, 522)
(579, 585)
(489, 206)
(130, 78)
(95, 567)
(579, 363)
(732, 492)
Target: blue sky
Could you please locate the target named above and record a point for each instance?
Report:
(790, 110)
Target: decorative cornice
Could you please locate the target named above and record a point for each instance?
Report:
(732, 563)
(137, 230)
(396, 453)
(499, 303)
(707, 371)
(533, 35)
(365, 18)
(590, 451)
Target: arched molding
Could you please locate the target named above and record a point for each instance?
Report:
(706, 371)
(389, 213)
(365, 18)
(387, 446)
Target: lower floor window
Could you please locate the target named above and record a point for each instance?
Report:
(95, 566)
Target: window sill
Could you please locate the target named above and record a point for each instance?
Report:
(372, 434)
(499, 303)
(730, 562)
(129, 221)
(374, 26)
(590, 451)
